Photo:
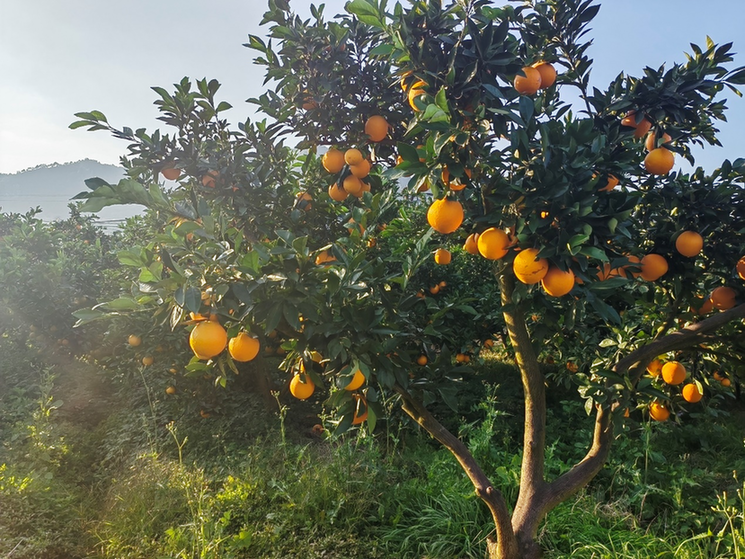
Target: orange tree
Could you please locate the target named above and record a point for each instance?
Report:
(617, 260)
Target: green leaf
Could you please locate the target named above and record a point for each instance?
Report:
(85, 316)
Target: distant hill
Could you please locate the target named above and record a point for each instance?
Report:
(52, 186)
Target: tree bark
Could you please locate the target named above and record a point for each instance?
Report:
(530, 507)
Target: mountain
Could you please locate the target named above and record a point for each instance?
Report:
(52, 186)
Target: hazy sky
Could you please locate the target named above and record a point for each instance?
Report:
(58, 58)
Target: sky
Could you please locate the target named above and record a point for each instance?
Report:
(59, 58)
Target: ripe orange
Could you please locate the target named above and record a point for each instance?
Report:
(443, 256)
(445, 216)
(243, 347)
(376, 128)
(723, 298)
(460, 357)
(301, 386)
(443, 284)
(741, 268)
(659, 161)
(673, 373)
(353, 156)
(361, 170)
(610, 184)
(689, 243)
(725, 382)
(324, 258)
(493, 243)
(337, 193)
(415, 91)
(572, 367)
(333, 160)
(658, 411)
(530, 83)
(353, 185)
(421, 360)
(209, 179)
(435, 289)
(304, 200)
(357, 381)
(651, 142)
(557, 282)
(134, 341)
(654, 267)
(655, 367)
(547, 72)
(360, 410)
(170, 173)
(471, 245)
(527, 269)
(208, 339)
(691, 393)
(641, 127)
(171, 390)
(701, 306)
(147, 360)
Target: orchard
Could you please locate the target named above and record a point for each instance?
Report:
(430, 137)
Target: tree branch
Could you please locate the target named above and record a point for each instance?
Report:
(484, 488)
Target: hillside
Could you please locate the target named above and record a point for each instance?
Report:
(52, 186)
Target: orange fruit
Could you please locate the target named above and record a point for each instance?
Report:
(415, 91)
(659, 161)
(209, 179)
(471, 245)
(301, 386)
(572, 367)
(333, 160)
(655, 367)
(147, 360)
(352, 185)
(208, 339)
(434, 290)
(360, 410)
(547, 72)
(702, 307)
(134, 341)
(324, 258)
(741, 268)
(654, 267)
(673, 373)
(723, 298)
(243, 347)
(689, 243)
(725, 382)
(442, 256)
(641, 127)
(610, 184)
(527, 268)
(361, 170)
(353, 156)
(170, 173)
(493, 243)
(528, 84)
(691, 393)
(658, 411)
(460, 357)
(376, 128)
(443, 284)
(171, 390)
(336, 193)
(303, 200)
(421, 360)
(445, 216)
(357, 380)
(651, 142)
(557, 282)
